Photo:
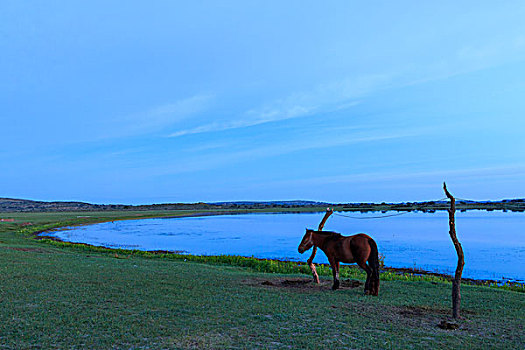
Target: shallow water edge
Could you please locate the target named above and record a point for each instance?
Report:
(51, 234)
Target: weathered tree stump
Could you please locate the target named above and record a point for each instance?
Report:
(456, 284)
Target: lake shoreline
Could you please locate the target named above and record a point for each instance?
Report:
(397, 270)
(40, 235)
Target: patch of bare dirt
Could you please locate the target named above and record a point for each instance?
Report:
(295, 283)
(410, 311)
(36, 250)
(305, 284)
(429, 317)
(448, 325)
(348, 283)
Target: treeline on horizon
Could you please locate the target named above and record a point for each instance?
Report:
(23, 205)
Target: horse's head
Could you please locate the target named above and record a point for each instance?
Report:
(307, 241)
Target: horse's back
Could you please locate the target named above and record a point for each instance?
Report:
(360, 236)
(355, 248)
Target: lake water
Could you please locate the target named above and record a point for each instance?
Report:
(493, 242)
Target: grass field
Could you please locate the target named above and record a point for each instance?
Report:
(70, 297)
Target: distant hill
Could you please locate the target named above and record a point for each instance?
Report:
(25, 205)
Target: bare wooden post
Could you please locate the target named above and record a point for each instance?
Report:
(456, 294)
(314, 250)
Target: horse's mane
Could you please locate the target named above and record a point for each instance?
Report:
(327, 233)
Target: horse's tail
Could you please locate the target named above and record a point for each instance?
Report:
(373, 261)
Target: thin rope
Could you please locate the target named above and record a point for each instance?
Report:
(372, 217)
(433, 200)
(464, 200)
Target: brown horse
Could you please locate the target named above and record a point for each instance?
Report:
(358, 248)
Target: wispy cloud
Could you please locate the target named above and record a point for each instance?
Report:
(171, 113)
(346, 136)
(250, 118)
(160, 117)
(267, 117)
(346, 93)
(326, 97)
(179, 109)
(337, 95)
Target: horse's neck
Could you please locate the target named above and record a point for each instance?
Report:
(318, 240)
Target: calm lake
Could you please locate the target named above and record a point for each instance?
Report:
(494, 242)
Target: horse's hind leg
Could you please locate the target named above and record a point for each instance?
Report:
(335, 272)
(368, 271)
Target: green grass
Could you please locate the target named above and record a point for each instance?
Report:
(63, 296)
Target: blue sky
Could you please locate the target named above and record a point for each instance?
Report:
(128, 102)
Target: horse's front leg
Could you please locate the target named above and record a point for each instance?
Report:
(312, 266)
(335, 272)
